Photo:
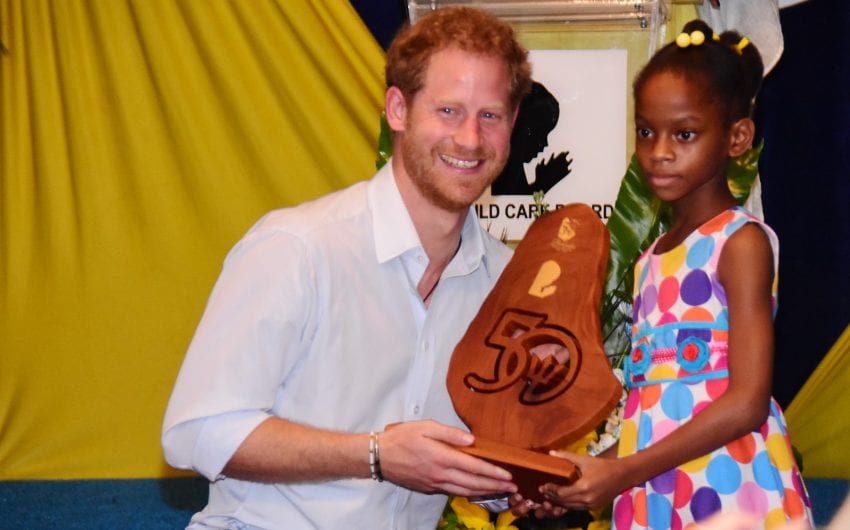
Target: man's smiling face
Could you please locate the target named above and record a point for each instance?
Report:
(456, 130)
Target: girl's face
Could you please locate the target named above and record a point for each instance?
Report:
(681, 142)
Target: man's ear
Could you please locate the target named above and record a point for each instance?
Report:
(395, 107)
(742, 133)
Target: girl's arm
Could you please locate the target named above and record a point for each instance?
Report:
(746, 272)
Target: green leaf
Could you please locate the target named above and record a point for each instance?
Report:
(743, 171)
(638, 218)
(385, 142)
(449, 519)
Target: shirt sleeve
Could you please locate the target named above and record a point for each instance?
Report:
(207, 444)
(255, 326)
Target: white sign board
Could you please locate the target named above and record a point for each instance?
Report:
(580, 101)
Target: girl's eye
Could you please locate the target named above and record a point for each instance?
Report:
(643, 132)
(687, 135)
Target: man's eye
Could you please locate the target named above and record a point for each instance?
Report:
(491, 116)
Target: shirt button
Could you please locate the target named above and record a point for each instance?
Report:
(425, 345)
(416, 409)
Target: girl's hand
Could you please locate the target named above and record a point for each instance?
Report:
(521, 507)
(600, 481)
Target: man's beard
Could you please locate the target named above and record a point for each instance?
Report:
(423, 168)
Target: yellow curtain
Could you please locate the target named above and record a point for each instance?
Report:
(818, 417)
(139, 140)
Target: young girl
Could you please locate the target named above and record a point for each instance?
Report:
(701, 433)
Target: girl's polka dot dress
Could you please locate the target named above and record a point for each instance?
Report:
(678, 366)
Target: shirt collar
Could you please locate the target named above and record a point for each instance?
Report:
(395, 233)
(392, 226)
(471, 251)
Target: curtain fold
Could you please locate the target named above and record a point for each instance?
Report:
(818, 419)
(139, 141)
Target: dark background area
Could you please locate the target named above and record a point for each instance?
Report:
(803, 116)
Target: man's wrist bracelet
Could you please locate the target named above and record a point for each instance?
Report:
(374, 458)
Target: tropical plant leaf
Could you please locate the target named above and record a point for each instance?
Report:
(385, 142)
(638, 218)
(743, 171)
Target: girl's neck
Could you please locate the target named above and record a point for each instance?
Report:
(687, 218)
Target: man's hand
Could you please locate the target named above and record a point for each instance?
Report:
(423, 456)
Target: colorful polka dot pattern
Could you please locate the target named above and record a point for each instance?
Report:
(677, 367)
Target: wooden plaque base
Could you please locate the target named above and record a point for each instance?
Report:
(530, 469)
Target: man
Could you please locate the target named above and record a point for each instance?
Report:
(337, 318)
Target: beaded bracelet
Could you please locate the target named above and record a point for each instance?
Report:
(374, 458)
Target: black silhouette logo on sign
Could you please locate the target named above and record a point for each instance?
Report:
(538, 114)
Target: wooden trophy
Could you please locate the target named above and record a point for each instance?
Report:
(530, 374)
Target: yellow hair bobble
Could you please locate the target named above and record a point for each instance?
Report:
(695, 38)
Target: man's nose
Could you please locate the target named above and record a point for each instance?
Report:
(468, 133)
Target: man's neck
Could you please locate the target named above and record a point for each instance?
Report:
(439, 231)
(433, 273)
(438, 228)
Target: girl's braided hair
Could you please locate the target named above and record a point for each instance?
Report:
(727, 65)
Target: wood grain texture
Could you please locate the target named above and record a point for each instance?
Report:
(548, 297)
(529, 469)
